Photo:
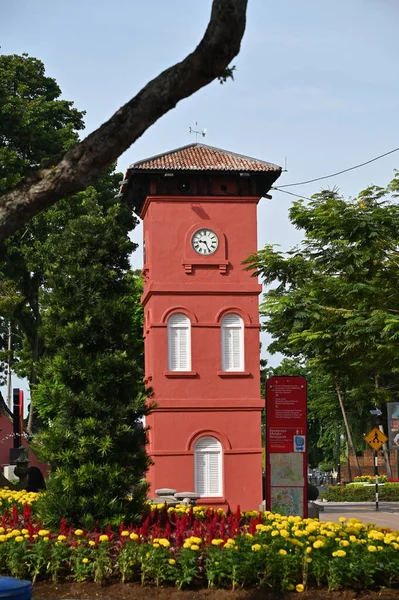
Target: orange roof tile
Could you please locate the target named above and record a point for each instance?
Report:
(200, 157)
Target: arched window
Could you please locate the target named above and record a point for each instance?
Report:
(208, 467)
(179, 343)
(232, 343)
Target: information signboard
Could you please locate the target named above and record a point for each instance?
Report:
(286, 445)
(393, 425)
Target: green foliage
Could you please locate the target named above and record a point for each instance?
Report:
(74, 307)
(333, 303)
(89, 395)
(35, 124)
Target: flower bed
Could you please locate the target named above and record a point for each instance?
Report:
(203, 547)
(369, 479)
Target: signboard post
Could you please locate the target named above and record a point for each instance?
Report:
(286, 445)
(376, 438)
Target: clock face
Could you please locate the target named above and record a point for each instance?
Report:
(205, 241)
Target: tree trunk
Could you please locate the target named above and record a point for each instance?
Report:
(84, 164)
(351, 447)
(348, 461)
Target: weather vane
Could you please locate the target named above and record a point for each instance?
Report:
(197, 132)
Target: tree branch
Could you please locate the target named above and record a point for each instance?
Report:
(85, 162)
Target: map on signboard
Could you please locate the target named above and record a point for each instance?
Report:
(286, 469)
(287, 501)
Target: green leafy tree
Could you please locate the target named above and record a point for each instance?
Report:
(69, 295)
(35, 125)
(335, 300)
(89, 392)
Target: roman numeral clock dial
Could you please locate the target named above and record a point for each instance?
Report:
(205, 241)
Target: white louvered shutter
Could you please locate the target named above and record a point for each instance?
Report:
(179, 346)
(208, 467)
(232, 343)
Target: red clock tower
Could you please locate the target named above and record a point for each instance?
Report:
(201, 319)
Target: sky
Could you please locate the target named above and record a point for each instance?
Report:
(315, 85)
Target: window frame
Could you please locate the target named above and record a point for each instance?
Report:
(187, 328)
(241, 343)
(207, 452)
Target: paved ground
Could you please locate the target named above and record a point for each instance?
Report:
(386, 516)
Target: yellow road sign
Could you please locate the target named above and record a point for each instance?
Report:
(376, 438)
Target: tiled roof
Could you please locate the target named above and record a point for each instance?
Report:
(199, 157)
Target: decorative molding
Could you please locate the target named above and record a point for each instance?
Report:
(181, 374)
(235, 310)
(234, 374)
(177, 309)
(199, 433)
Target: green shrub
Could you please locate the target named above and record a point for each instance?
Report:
(388, 492)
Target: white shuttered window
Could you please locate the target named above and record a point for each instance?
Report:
(179, 343)
(208, 467)
(232, 343)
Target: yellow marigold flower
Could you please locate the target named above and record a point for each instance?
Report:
(318, 544)
(308, 559)
(375, 535)
(371, 548)
(344, 543)
(394, 545)
(103, 538)
(16, 532)
(85, 560)
(256, 547)
(198, 540)
(342, 519)
(275, 532)
(2, 530)
(194, 547)
(125, 533)
(92, 543)
(282, 551)
(35, 536)
(308, 550)
(284, 533)
(340, 553)
(187, 544)
(61, 538)
(19, 538)
(380, 548)
(172, 561)
(43, 532)
(78, 532)
(134, 536)
(217, 542)
(300, 533)
(164, 542)
(300, 587)
(156, 545)
(249, 536)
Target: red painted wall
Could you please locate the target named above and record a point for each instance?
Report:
(6, 442)
(205, 401)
